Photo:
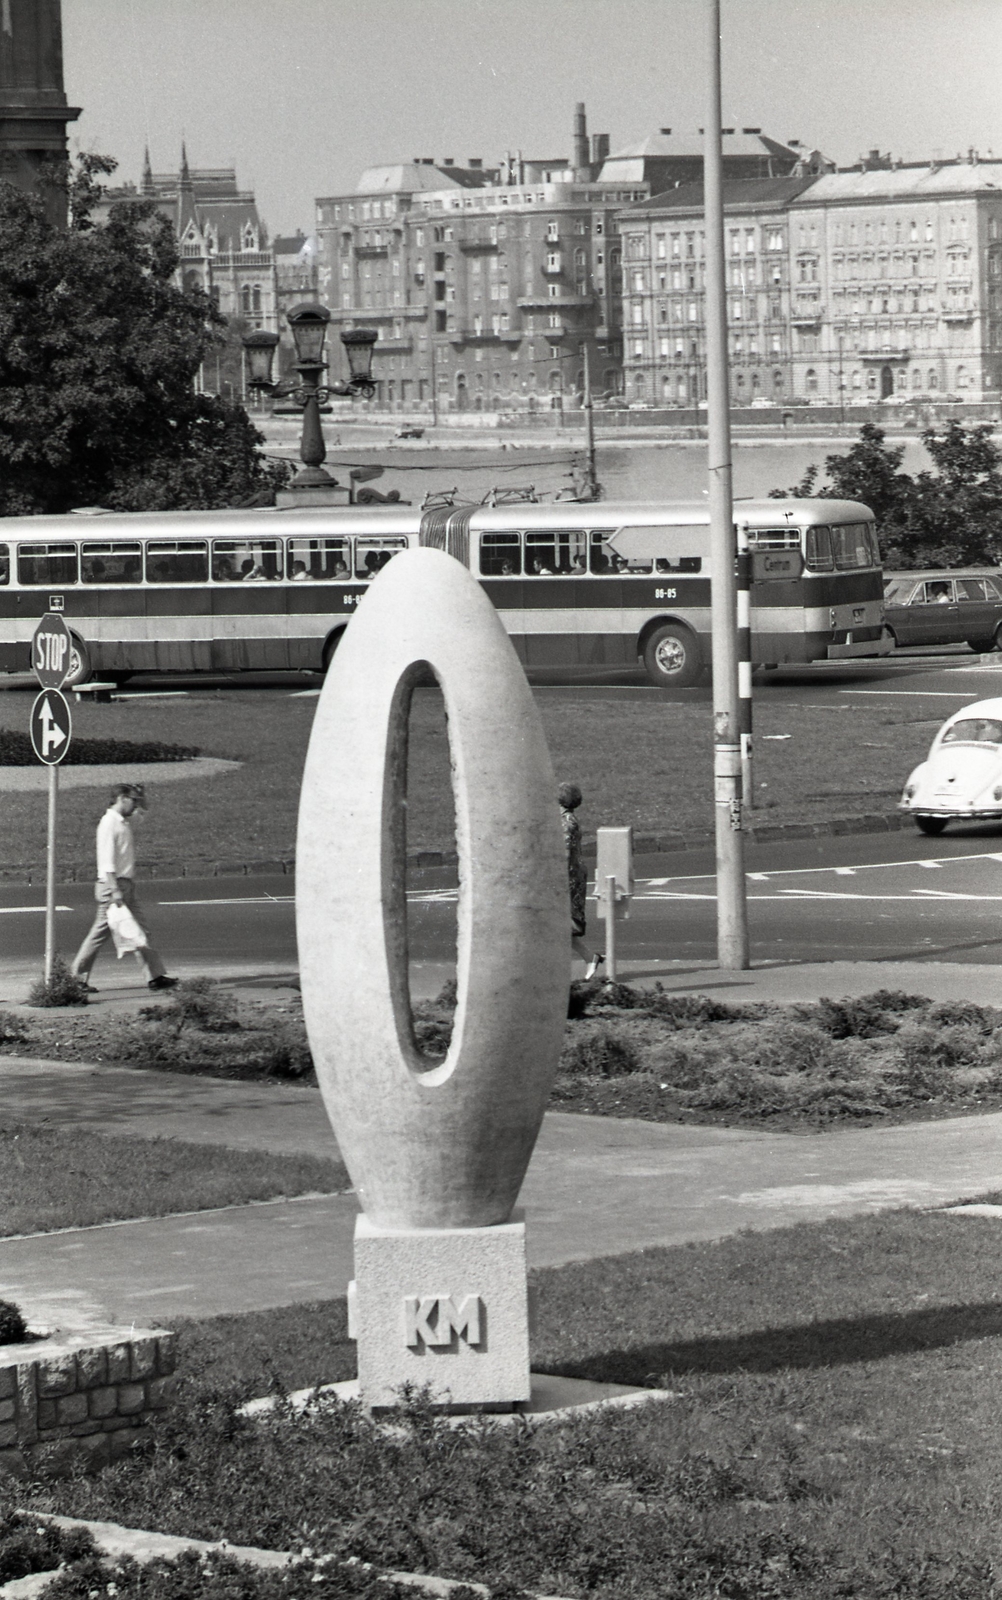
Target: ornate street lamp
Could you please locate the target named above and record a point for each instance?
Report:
(309, 330)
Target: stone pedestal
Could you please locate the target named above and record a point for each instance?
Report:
(442, 1307)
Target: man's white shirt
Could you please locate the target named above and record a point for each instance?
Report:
(116, 851)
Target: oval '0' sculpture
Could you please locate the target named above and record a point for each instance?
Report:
(441, 1145)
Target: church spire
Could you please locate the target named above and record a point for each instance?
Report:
(186, 211)
(146, 184)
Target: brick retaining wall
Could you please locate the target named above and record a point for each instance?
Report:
(87, 1395)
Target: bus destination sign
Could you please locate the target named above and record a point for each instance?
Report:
(50, 651)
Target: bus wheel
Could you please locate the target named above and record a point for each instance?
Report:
(80, 665)
(330, 647)
(931, 825)
(671, 657)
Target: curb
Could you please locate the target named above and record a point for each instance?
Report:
(644, 844)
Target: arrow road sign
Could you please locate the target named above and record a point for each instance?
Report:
(50, 652)
(51, 727)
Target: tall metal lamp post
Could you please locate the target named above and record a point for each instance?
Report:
(309, 330)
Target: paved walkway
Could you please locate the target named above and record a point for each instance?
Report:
(596, 1186)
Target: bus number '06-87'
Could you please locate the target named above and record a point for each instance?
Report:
(665, 594)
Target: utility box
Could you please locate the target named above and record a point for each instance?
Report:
(615, 860)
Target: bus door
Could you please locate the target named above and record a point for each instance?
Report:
(498, 564)
(556, 578)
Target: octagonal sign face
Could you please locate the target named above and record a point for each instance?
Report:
(50, 651)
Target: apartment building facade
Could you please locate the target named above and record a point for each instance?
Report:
(664, 293)
(486, 294)
(897, 284)
(491, 287)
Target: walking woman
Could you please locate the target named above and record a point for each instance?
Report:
(569, 798)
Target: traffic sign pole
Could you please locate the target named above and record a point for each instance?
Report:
(51, 729)
(50, 875)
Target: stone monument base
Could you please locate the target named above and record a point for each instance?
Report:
(445, 1308)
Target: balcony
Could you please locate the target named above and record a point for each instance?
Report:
(806, 313)
(958, 310)
(370, 251)
(459, 336)
(553, 268)
(472, 247)
(393, 347)
(560, 302)
(883, 357)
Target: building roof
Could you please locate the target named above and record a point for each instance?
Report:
(409, 177)
(904, 183)
(740, 194)
(670, 144)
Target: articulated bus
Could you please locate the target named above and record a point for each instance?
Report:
(576, 585)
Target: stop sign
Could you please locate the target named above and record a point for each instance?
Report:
(50, 651)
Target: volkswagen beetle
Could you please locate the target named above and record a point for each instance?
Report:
(961, 779)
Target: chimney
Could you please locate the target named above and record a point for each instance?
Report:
(580, 157)
(599, 148)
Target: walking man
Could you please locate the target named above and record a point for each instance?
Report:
(116, 863)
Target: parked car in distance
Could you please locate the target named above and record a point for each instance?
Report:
(948, 607)
(961, 778)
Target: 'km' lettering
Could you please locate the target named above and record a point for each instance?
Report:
(433, 1319)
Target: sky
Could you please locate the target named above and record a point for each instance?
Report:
(302, 95)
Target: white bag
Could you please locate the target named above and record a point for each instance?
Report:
(125, 930)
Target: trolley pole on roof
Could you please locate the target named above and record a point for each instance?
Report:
(732, 915)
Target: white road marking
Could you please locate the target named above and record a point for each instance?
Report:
(931, 866)
(236, 900)
(14, 911)
(920, 694)
(845, 872)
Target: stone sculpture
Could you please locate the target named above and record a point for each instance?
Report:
(436, 1151)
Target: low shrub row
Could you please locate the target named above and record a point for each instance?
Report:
(16, 751)
(627, 1052)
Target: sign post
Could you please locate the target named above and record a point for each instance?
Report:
(613, 886)
(51, 728)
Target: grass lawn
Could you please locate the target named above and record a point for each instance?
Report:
(645, 760)
(833, 1431)
(69, 1178)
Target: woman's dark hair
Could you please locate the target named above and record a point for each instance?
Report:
(569, 796)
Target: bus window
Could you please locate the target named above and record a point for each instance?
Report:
(371, 555)
(602, 557)
(851, 546)
(51, 564)
(774, 538)
(4, 564)
(819, 549)
(177, 561)
(313, 559)
(500, 555)
(540, 555)
(111, 563)
(557, 552)
(239, 561)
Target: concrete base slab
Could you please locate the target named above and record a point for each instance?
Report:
(550, 1398)
(442, 1308)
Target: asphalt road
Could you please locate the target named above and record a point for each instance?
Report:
(830, 898)
(871, 897)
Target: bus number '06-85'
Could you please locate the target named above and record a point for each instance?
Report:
(665, 594)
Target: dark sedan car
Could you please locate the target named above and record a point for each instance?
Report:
(945, 608)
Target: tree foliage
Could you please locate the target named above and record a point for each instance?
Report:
(99, 352)
(949, 517)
